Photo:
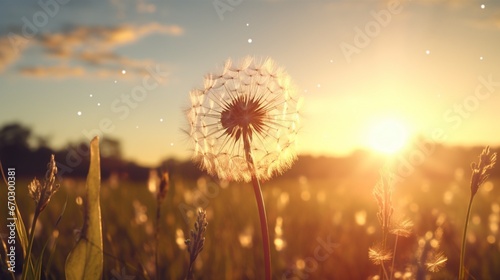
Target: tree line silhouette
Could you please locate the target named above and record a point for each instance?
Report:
(29, 153)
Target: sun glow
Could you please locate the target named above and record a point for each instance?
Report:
(388, 136)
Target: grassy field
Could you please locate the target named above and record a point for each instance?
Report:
(320, 229)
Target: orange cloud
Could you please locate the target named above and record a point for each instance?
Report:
(53, 71)
(8, 52)
(89, 45)
(106, 37)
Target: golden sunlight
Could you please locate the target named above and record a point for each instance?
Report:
(387, 136)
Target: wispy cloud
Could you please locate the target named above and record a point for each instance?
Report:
(53, 71)
(92, 48)
(106, 37)
(8, 53)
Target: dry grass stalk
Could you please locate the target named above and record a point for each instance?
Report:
(160, 196)
(197, 241)
(41, 193)
(480, 172)
(383, 195)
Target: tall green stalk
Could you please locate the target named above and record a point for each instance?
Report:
(31, 237)
(41, 194)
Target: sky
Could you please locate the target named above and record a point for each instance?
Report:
(366, 70)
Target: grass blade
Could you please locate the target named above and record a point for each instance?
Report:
(85, 261)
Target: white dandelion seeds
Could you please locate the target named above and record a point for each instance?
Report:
(251, 105)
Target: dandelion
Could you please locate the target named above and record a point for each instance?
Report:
(250, 107)
(402, 227)
(480, 172)
(244, 125)
(378, 255)
(436, 263)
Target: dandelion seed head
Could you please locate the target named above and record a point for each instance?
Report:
(402, 227)
(436, 263)
(251, 101)
(379, 256)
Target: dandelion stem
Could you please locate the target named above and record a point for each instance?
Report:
(261, 207)
(461, 273)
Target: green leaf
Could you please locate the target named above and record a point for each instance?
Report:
(38, 265)
(21, 231)
(85, 261)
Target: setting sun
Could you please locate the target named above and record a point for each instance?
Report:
(387, 136)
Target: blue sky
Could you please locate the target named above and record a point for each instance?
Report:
(357, 64)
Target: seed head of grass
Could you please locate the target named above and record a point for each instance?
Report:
(481, 170)
(41, 193)
(383, 192)
(402, 227)
(436, 262)
(197, 241)
(163, 187)
(254, 102)
(378, 255)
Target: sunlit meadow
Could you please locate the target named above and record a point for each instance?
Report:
(235, 139)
